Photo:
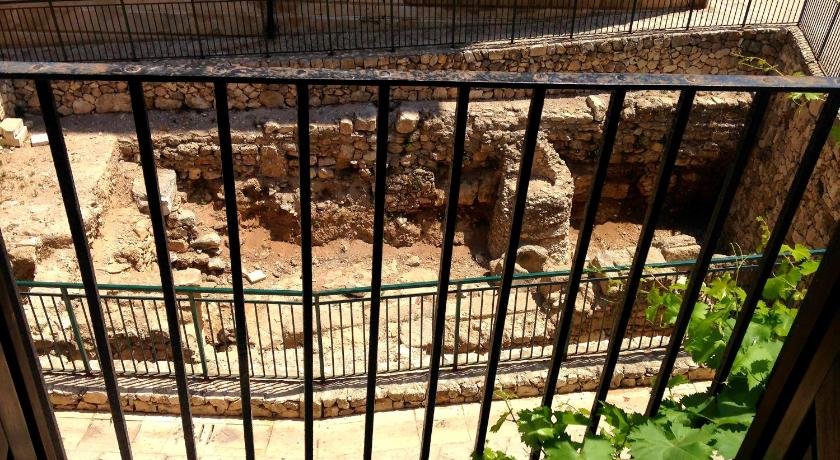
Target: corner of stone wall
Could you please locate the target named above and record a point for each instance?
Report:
(7, 99)
(765, 184)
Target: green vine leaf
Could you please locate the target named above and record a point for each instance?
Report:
(727, 443)
(498, 425)
(650, 442)
(596, 448)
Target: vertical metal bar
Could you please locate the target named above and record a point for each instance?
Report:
(561, 339)
(232, 215)
(777, 237)
(829, 30)
(633, 16)
(457, 341)
(128, 31)
(306, 264)
(529, 146)
(454, 22)
(713, 231)
(170, 302)
(445, 268)
(574, 19)
(799, 374)
(74, 324)
(330, 47)
(58, 31)
(70, 199)
(270, 26)
(197, 31)
(690, 14)
(391, 23)
(747, 13)
(317, 308)
(26, 372)
(199, 335)
(513, 21)
(642, 249)
(376, 269)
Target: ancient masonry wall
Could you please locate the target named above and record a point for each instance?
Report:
(7, 99)
(350, 399)
(786, 132)
(772, 166)
(706, 52)
(420, 146)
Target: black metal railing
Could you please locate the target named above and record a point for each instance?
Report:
(616, 84)
(101, 30)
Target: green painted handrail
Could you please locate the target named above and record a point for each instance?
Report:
(389, 287)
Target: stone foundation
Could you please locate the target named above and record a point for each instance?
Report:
(285, 400)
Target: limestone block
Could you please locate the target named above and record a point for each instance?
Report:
(187, 277)
(207, 241)
(113, 102)
(168, 187)
(37, 140)
(14, 132)
(407, 121)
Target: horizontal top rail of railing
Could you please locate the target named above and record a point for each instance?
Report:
(171, 72)
(721, 260)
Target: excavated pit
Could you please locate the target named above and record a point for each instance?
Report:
(342, 164)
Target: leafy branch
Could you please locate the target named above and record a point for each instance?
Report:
(695, 426)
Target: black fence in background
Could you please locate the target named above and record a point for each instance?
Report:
(820, 24)
(102, 30)
(63, 333)
(617, 84)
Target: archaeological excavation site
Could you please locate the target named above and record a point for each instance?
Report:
(346, 145)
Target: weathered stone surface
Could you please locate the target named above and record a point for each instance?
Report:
(532, 257)
(168, 187)
(407, 121)
(704, 52)
(549, 200)
(598, 107)
(113, 102)
(24, 262)
(39, 139)
(13, 131)
(675, 253)
(255, 276)
(187, 277)
(207, 241)
(273, 163)
(81, 107)
(217, 264)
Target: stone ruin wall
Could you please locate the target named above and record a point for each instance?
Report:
(706, 52)
(331, 401)
(7, 99)
(787, 129)
(420, 145)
